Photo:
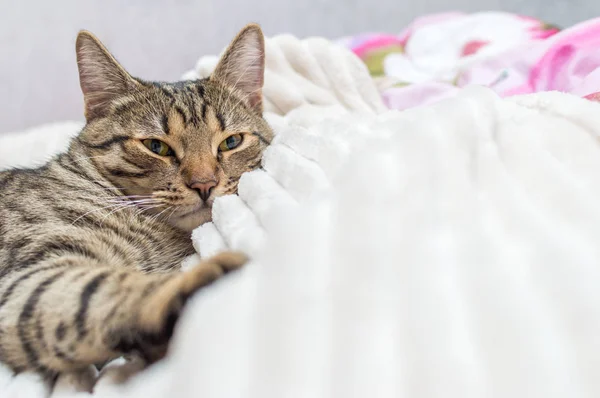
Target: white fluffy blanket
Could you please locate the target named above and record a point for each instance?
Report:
(446, 251)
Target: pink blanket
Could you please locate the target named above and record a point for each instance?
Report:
(438, 54)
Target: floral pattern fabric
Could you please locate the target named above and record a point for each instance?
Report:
(436, 55)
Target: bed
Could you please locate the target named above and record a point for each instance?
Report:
(450, 249)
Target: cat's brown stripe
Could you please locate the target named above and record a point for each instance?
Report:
(200, 89)
(119, 172)
(221, 119)
(182, 114)
(165, 91)
(91, 243)
(203, 113)
(11, 288)
(60, 331)
(108, 143)
(261, 138)
(60, 354)
(39, 332)
(191, 105)
(164, 122)
(131, 163)
(84, 302)
(24, 326)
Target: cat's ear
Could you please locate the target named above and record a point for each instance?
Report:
(242, 66)
(101, 77)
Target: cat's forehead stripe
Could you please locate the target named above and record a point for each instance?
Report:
(181, 114)
(192, 104)
(164, 121)
(188, 101)
(221, 120)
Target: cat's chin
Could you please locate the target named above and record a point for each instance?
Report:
(190, 221)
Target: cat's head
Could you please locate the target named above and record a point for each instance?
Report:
(172, 148)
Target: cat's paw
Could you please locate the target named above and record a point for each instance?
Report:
(118, 372)
(211, 269)
(162, 309)
(229, 260)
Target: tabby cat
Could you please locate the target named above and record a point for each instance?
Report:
(91, 243)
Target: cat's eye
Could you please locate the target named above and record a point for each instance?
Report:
(158, 147)
(231, 142)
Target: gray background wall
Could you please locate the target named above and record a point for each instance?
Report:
(160, 39)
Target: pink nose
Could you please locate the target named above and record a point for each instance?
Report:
(204, 188)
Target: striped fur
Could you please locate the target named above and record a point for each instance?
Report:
(91, 243)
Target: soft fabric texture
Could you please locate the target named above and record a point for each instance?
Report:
(444, 251)
(35, 146)
(436, 55)
(448, 251)
(310, 71)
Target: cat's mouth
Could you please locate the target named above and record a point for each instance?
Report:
(191, 210)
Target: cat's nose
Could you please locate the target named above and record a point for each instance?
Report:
(204, 188)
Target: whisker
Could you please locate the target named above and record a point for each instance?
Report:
(101, 209)
(156, 216)
(133, 200)
(174, 208)
(141, 210)
(127, 205)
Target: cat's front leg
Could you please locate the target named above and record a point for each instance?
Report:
(159, 312)
(70, 312)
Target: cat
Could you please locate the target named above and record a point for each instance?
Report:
(91, 243)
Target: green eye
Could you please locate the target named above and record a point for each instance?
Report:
(158, 147)
(231, 142)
